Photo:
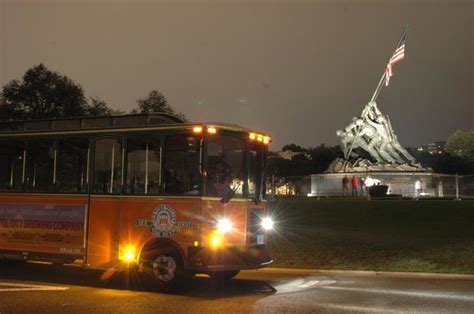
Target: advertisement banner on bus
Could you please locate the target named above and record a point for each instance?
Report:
(58, 226)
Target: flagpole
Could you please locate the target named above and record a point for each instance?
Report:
(379, 87)
(374, 97)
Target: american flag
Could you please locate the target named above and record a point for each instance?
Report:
(398, 55)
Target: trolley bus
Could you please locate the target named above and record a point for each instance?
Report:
(150, 191)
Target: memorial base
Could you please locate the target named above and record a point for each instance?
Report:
(399, 183)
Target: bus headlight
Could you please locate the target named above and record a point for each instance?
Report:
(267, 223)
(224, 225)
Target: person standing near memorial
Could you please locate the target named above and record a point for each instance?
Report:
(345, 186)
(362, 186)
(417, 188)
(355, 185)
(440, 189)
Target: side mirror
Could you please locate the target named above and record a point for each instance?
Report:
(226, 198)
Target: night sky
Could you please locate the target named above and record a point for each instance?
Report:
(297, 70)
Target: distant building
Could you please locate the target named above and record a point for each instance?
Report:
(435, 148)
(423, 148)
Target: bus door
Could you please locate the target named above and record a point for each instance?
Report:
(105, 200)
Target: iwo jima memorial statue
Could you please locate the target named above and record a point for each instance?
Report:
(393, 167)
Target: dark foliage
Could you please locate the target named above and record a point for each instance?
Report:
(444, 163)
(309, 161)
(44, 94)
(156, 102)
(294, 148)
(98, 107)
(322, 156)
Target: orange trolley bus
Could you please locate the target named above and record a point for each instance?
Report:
(149, 190)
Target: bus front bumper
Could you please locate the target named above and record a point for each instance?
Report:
(204, 259)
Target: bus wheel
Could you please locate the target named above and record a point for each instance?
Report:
(223, 275)
(165, 267)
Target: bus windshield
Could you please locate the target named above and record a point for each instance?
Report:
(225, 165)
(228, 167)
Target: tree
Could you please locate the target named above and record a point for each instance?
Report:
(42, 94)
(308, 160)
(322, 156)
(443, 163)
(3, 107)
(294, 148)
(156, 102)
(98, 107)
(46, 94)
(461, 144)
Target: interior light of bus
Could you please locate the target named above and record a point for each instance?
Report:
(260, 138)
(211, 130)
(197, 129)
(252, 136)
(128, 254)
(266, 139)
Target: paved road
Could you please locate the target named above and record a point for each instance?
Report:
(47, 289)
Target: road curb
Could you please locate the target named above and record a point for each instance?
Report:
(367, 273)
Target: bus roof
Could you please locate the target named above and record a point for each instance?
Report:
(85, 123)
(100, 124)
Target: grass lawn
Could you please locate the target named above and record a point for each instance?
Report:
(396, 235)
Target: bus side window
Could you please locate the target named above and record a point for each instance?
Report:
(73, 161)
(143, 165)
(107, 172)
(181, 169)
(40, 166)
(11, 166)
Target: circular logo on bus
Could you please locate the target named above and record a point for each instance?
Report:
(164, 220)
